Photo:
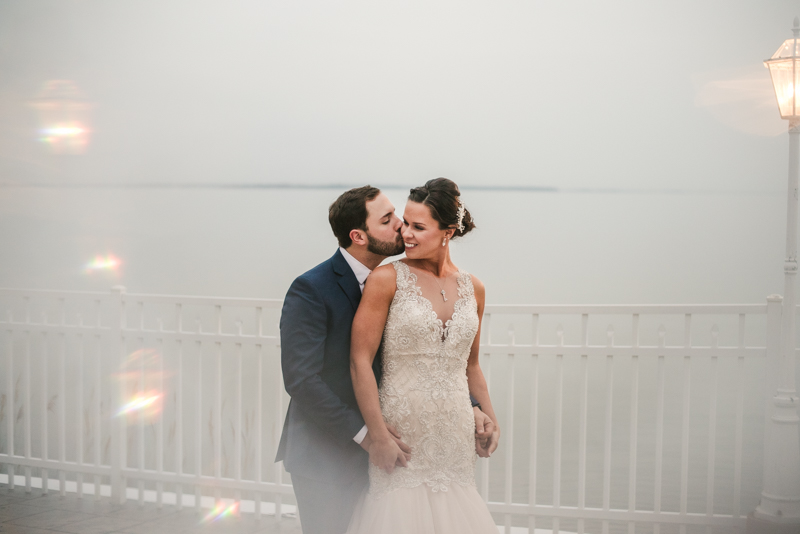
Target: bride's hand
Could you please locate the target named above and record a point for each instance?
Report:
(386, 453)
(486, 447)
(484, 426)
(487, 434)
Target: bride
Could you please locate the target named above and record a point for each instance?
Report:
(428, 314)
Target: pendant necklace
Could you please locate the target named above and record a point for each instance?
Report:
(440, 286)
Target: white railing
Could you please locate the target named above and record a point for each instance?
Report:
(621, 411)
(612, 416)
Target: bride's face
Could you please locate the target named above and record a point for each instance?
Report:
(421, 233)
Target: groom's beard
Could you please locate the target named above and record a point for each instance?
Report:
(385, 248)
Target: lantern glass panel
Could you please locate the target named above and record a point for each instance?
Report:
(785, 76)
(789, 48)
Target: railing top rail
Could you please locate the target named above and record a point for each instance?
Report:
(169, 299)
(192, 299)
(523, 309)
(626, 309)
(52, 292)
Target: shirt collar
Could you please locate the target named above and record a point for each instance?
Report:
(359, 269)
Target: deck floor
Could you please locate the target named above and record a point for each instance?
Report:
(40, 513)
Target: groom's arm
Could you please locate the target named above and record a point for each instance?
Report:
(303, 334)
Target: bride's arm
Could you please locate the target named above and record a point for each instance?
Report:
(367, 331)
(475, 378)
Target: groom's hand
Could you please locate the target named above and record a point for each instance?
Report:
(385, 454)
(366, 443)
(403, 447)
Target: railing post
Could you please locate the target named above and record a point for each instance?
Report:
(779, 508)
(117, 391)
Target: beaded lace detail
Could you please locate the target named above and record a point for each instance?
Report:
(423, 391)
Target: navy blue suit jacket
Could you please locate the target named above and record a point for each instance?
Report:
(323, 416)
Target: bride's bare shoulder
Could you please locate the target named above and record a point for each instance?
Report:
(480, 289)
(383, 278)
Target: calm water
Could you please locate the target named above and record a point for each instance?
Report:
(530, 247)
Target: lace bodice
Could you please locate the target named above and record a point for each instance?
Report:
(423, 391)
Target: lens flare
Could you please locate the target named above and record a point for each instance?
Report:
(62, 131)
(101, 263)
(63, 117)
(740, 98)
(142, 380)
(139, 402)
(219, 511)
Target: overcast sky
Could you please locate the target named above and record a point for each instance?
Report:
(579, 94)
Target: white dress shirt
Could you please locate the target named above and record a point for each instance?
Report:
(362, 272)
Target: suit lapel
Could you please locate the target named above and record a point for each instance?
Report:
(347, 279)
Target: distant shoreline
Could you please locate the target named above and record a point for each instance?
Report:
(342, 186)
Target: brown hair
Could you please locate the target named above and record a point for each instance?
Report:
(442, 198)
(349, 212)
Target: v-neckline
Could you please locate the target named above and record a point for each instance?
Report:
(443, 325)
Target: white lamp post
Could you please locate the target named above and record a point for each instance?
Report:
(779, 509)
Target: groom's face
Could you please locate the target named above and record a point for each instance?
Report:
(383, 228)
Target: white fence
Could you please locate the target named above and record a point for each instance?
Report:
(614, 418)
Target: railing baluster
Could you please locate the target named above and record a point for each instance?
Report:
(44, 394)
(634, 422)
(237, 438)
(558, 410)
(27, 412)
(737, 455)
(96, 405)
(27, 402)
(160, 420)
(79, 411)
(509, 438)
(97, 427)
(687, 377)
(10, 401)
(607, 432)
(583, 407)
(534, 421)
(659, 427)
(122, 390)
(62, 412)
(582, 421)
(712, 425)
(218, 415)
(179, 418)
(141, 414)
(198, 441)
(258, 451)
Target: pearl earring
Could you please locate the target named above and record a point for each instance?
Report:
(444, 241)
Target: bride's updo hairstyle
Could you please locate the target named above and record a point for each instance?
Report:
(442, 198)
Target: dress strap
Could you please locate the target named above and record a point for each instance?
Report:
(403, 275)
(465, 286)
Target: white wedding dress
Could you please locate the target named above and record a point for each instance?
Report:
(424, 394)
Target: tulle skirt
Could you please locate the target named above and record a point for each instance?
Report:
(418, 510)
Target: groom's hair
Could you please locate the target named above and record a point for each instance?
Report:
(349, 212)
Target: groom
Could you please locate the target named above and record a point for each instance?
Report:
(324, 442)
